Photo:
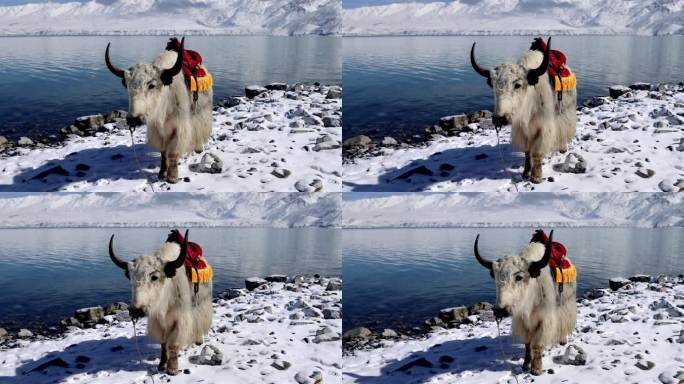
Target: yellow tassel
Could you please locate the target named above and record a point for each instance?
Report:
(566, 83)
(205, 275)
(201, 83)
(566, 275)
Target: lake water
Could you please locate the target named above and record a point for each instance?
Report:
(403, 84)
(46, 82)
(400, 277)
(48, 273)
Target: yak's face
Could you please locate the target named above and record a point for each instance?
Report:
(147, 279)
(512, 278)
(509, 83)
(144, 85)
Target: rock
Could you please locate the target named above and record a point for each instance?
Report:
(115, 116)
(56, 362)
(24, 333)
(281, 365)
(645, 173)
(281, 172)
(314, 378)
(56, 170)
(640, 278)
(277, 87)
(640, 86)
(667, 185)
(210, 163)
(70, 322)
(594, 102)
(91, 122)
(388, 141)
(331, 121)
(334, 93)
(644, 365)
(331, 314)
(210, 355)
(360, 332)
(574, 163)
(617, 90)
(253, 283)
(421, 170)
(3, 333)
(114, 308)
(357, 141)
(670, 377)
(315, 185)
(24, 142)
(252, 91)
(389, 333)
(453, 122)
(3, 141)
(617, 283)
(475, 117)
(276, 278)
(454, 314)
(326, 334)
(574, 355)
(421, 362)
(233, 101)
(334, 285)
(90, 316)
(326, 142)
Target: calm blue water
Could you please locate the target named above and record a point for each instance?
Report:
(48, 81)
(395, 84)
(48, 273)
(399, 277)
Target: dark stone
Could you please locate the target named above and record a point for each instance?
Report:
(422, 170)
(56, 362)
(277, 87)
(617, 283)
(422, 362)
(276, 279)
(56, 170)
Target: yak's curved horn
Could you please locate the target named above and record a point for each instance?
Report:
(119, 263)
(485, 263)
(536, 266)
(118, 72)
(171, 266)
(482, 71)
(534, 74)
(168, 74)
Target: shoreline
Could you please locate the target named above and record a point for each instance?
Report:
(369, 337)
(277, 138)
(278, 328)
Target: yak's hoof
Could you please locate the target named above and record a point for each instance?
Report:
(172, 180)
(537, 372)
(198, 151)
(536, 180)
(172, 372)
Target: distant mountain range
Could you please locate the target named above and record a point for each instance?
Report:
(518, 17)
(163, 17)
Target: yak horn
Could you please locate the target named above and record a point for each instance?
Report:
(168, 74)
(171, 266)
(119, 263)
(536, 266)
(482, 71)
(118, 72)
(485, 263)
(534, 74)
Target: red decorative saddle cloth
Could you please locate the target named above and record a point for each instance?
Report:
(561, 76)
(196, 76)
(199, 271)
(561, 267)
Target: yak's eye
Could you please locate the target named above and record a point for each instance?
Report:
(151, 85)
(518, 277)
(154, 277)
(517, 86)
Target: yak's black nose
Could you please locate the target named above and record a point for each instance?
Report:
(500, 312)
(499, 121)
(134, 121)
(136, 313)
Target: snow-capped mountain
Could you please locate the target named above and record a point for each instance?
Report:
(162, 17)
(513, 17)
(170, 209)
(515, 210)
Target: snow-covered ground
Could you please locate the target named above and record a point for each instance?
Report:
(283, 333)
(633, 335)
(515, 209)
(280, 141)
(169, 209)
(632, 143)
(164, 17)
(517, 17)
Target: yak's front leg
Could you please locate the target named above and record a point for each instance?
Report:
(528, 166)
(537, 160)
(172, 363)
(163, 359)
(162, 168)
(528, 358)
(537, 353)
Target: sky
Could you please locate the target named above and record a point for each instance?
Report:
(345, 3)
